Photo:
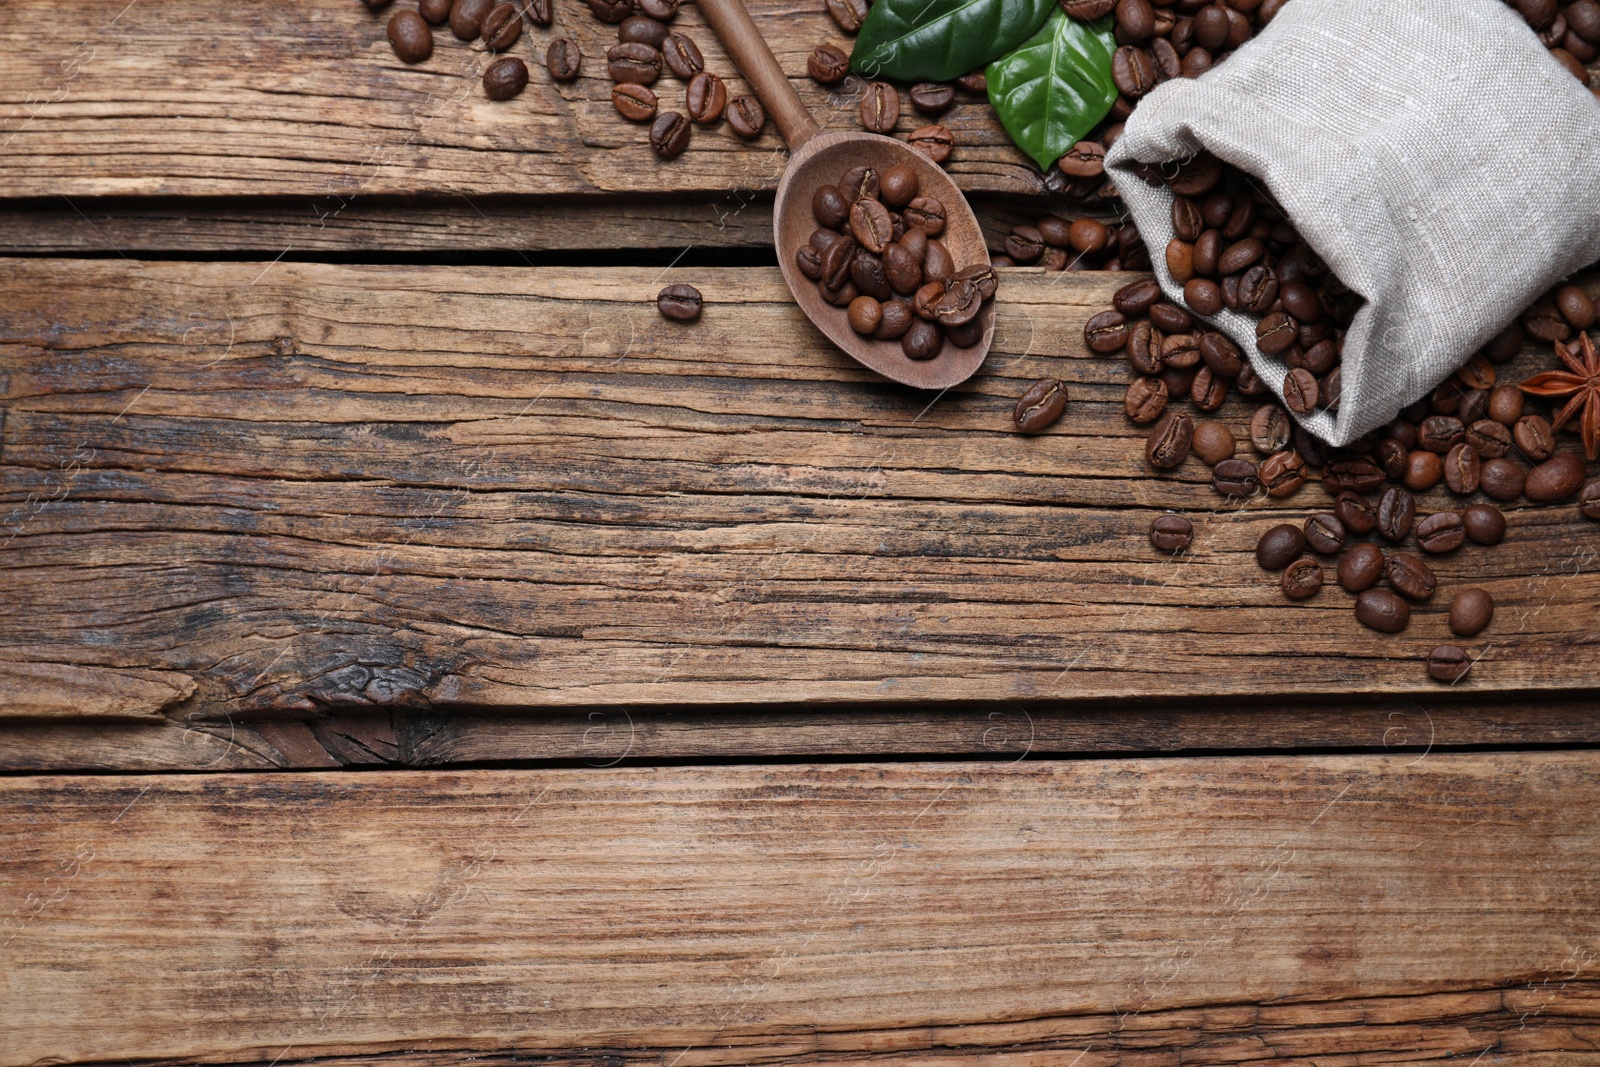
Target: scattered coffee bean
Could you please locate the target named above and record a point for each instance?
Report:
(1589, 500)
(1361, 567)
(706, 99)
(1534, 438)
(1381, 610)
(563, 59)
(1462, 469)
(1269, 429)
(501, 27)
(505, 78)
(1501, 479)
(636, 103)
(1279, 546)
(1441, 532)
(746, 116)
(610, 12)
(1484, 524)
(410, 36)
(1169, 443)
(1235, 477)
(1106, 331)
(435, 12)
(827, 65)
(1213, 442)
(1397, 512)
(1041, 405)
(466, 18)
(1145, 399)
(662, 10)
(848, 14)
(680, 303)
(1300, 391)
(1471, 611)
(1325, 534)
(682, 56)
(1171, 533)
(641, 29)
(935, 142)
(1283, 473)
(669, 135)
(1449, 663)
(1556, 478)
(1410, 577)
(1302, 579)
(932, 98)
(632, 62)
(880, 108)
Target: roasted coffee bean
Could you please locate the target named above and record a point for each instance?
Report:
(926, 213)
(1136, 20)
(1089, 236)
(1257, 291)
(902, 269)
(932, 98)
(1489, 438)
(1449, 663)
(1392, 456)
(1276, 333)
(880, 108)
(682, 56)
(1134, 299)
(501, 27)
(466, 18)
(1442, 532)
(632, 62)
(973, 81)
(1145, 399)
(1106, 331)
(1410, 577)
(746, 116)
(1086, 159)
(1207, 250)
(1133, 71)
(842, 296)
(1422, 472)
(1302, 579)
(1221, 354)
(1505, 345)
(1088, 10)
(1170, 318)
(898, 186)
(1484, 524)
(1501, 479)
(1556, 478)
(848, 14)
(662, 10)
(806, 257)
(1181, 350)
(1356, 512)
(1279, 547)
(376, 5)
(1235, 477)
(1269, 429)
(610, 11)
(983, 276)
(636, 103)
(1203, 296)
(669, 135)
(1381, 610)
(1168, 444)
(1471, 611)
(1505, 404)
(958, 304)
(1041, 405)
(706, 98)
(1187, 221)
(1440, 433)
(1361, 567)
(1024, 244)
(1354, 475)
(865, 314)
(1462, 469)
(925, 298)
(1171, 533)
(1325, 533)
(505, 78)
(1589, 500)
(870, 222)
(923, 340)
(937, 263)
(866, 271)
(410, 36)
(435, 11)
(1178, 381)
(965, 335)
(641, 30)
(897, 319)
(1208, 391)
(1283, 473)
(1446, 399)
(1213, 443)
(680, 303)
(1397, 512)
(1544, 323)
(827, 65)
(1534, 438)
(1329, 389)
(829, 206)
(1576, 306)
(1300, 391)
(563, 59)
(935, 142)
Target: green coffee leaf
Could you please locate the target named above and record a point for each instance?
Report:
(1055, 87)
(936, 40)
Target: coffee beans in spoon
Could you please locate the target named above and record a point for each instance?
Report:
(877, 256)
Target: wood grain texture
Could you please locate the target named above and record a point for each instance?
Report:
(1366, 909)
(607, 737)
(203, 97)
(307, 486)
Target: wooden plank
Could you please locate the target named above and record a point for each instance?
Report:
(307, 486)
(273, 226)
(205, 98)
(1282, 909)
(604, 737)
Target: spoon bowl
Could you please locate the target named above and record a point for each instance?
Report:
(821, 161)
(817, 159)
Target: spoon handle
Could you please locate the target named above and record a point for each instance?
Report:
(732, 24)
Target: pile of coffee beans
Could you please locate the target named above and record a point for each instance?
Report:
(1473, 434)
(1087, 243)
(877, 254)
(497, 25)
(1570, 31)
(880, 109)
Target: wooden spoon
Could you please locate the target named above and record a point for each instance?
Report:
(817, 159)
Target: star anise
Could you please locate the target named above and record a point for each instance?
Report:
(1582, 385)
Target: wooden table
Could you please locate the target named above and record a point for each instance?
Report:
(722, 703)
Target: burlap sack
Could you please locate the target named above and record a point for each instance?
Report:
(1435, 155)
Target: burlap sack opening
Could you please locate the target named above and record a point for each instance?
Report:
(1431, 151)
